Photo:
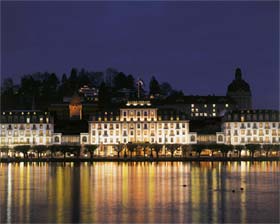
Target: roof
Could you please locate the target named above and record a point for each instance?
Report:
(192, 99)
(252, 115)
(20, 116)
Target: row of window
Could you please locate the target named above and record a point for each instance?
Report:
(139, 125)
(26, 140)
(253, 132)
(265, 125)
(254, 140)
(22, 119)
(22, 126)
(132, 139)
(252, 117)
(138, 113)
(138, 132)
(25, 133)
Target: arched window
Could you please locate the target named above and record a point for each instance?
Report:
(84, 139)
(220, 138)
(56, 139)
(192, 138)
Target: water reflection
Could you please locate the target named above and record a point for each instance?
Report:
(140, 192)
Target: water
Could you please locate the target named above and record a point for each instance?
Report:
(140, 192)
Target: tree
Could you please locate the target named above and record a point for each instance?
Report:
(90, 149)
(130, 82)
(110, 74)
(213, 147)
(64, 149)
(198, 148)
(5, 149)
(104, 97)
(252, 148)
(165, 89)
(75, 149)
(267, 148)
(22, 149)
(154, 87)
(239, 148)
(157, 148)
(119, 81)
(119, 148)
(53, 149)
(172, 148)
(63, 79)
(39, 149)
(184, 149)
(131, 147)
(225, 149)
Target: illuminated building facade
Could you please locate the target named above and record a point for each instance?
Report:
(26, 127)
(139, 122)
(250, 127)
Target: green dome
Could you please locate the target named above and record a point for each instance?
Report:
(238, 84)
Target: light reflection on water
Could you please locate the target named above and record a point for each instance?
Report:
(140, 192)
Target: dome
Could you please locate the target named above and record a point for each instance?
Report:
(238, 84)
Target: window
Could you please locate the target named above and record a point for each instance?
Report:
(84, 139)
(220, 138)
(192, 138)
(28, 120)
(145, 113)
(124, 113)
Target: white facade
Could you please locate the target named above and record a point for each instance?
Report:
(250, 127)
(137, 123)
(19, 128)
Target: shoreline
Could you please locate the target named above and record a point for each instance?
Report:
(135, 159)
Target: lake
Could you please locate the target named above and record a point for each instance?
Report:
(190, 192)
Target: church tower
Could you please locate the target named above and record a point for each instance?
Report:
(75, 107)
(239, 90)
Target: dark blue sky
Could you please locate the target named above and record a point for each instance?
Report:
(195, 46)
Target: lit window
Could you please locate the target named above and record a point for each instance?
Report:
(226, 105)
(28, 120)
(214, 114)
(205, 105)
(192, 105)
(41, 119)
(214, 105)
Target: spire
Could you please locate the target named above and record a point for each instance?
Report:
(238, 74)
(140, 85)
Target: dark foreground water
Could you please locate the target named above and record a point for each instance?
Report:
(140, 192)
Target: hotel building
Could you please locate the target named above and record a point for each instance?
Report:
(26, 127)
(250, 127)
(138, 122)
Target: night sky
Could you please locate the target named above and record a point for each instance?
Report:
(195, 46)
